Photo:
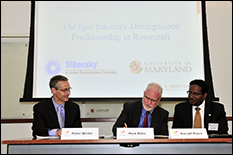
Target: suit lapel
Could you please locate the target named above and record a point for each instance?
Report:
(207, 114)
(155, 118)
(68, 114)
(52, 113)
(137, 114)
(189, 114)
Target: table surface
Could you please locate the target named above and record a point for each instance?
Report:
(116, 141)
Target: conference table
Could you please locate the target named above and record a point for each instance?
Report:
(120, 146)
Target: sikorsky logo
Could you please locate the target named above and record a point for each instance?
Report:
(135, 67)
(53, 67)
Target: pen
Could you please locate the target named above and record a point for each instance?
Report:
(125, 125)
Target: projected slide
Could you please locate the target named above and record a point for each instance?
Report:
(113, 49)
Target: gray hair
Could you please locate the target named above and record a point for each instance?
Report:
(156, 87)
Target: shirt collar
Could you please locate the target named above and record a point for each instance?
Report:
(200, 106)
(144, 111)
(57, 105)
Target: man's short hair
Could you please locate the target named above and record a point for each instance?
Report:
(201, 83)
(55, 79)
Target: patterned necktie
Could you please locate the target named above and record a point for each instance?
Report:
(61, 120)
(197, 119)
(145, 123)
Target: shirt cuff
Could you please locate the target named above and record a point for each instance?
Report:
(52, 132)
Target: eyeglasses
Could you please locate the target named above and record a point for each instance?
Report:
(195, 93)
(150, 99)
(64, 90)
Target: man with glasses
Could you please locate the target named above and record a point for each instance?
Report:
(145, 113)
(51, 115)
(212, 114)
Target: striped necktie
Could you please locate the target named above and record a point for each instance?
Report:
(61, 119)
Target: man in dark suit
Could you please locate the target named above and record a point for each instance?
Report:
(134, 113)
(213, 115)
(48, 120)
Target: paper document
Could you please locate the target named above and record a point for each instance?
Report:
(160, 136)
(46, 137)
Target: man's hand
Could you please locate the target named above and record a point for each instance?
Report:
(58, 132)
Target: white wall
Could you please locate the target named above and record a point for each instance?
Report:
(219, 23)
(15, 17)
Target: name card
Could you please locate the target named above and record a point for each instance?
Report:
(135, 133)
(187, 133)
(80, 133)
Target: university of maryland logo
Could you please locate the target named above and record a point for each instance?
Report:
(135, 67)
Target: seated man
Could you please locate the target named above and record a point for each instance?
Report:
(134, 113)
(211, 113)
(48, 117)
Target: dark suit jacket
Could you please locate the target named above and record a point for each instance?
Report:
(45, 117)
(214, 113)
(131, 114)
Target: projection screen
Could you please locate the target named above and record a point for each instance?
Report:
(114, 49)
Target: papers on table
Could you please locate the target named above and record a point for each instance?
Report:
(160, 136)
(46, 137)
(100, 137)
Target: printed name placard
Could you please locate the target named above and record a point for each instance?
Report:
(80, 133)
(135, 133)
(187, 133)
